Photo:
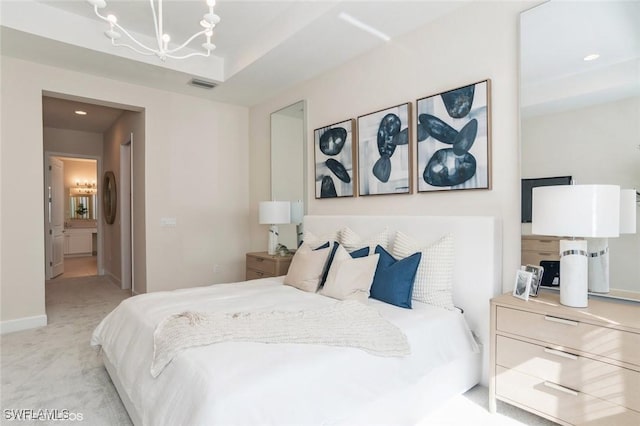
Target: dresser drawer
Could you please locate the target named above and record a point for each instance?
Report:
(261, 264)
(534, 257)
(589, 376)
(602, 341)
(575, 408)
(541, 244)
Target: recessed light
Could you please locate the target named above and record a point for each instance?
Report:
(591, 57)
(79, 112)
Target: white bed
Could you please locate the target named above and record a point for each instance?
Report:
(244, 383)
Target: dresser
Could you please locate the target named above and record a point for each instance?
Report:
(262, 265)
(574, 366)
(536, 248)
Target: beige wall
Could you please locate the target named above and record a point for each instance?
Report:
(72, 142)
(195, 171)
(476, 42)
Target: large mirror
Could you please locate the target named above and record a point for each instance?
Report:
(580, 106)
(82, 206)
(288, 154)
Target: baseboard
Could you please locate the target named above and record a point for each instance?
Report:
(20, 324)
(113, 279)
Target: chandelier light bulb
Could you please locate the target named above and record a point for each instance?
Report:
(211, 3)
(166, 38)
(112, 19)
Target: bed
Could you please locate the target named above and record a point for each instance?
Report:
(246, 382)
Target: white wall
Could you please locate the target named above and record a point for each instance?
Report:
(74, 142)
(195, 171)
(605, 151)
(476, 42)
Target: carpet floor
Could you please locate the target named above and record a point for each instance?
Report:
(54, 367)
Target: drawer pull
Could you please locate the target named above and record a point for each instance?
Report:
(560, 353)
(561, 320)
(259, 273)
(259, 259)
(561, 388)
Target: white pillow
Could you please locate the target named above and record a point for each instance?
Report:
(350, 279)
(306, 268)
(314, 240)
(434, 279)
(352, 241)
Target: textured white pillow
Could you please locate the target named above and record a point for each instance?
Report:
(352, 241)
(350, 279)
(434, 279)
(306, 268)
(314, 240)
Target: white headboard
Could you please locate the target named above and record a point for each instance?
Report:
(477, 267)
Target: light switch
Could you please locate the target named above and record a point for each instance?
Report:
(168, 222)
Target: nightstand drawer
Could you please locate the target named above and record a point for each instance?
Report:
(592, 377)
(252, 274)
(262, 264)
(606, 342)
(572, 407)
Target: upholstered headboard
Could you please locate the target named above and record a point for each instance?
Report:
(478, 257)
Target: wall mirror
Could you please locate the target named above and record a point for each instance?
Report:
(109, 197)
(580, 106)
(288, 165)
(82, 206)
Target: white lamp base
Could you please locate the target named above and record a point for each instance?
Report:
(574, 268)
(273, 239)
(598, 265)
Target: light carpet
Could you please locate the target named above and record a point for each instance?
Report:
(54, 367)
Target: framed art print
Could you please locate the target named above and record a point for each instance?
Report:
(384, 154)
(454, 139)
(522, 286)
(334, 166)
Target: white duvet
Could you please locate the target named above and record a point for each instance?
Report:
(244, 383)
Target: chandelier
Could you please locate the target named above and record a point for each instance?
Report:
(162, 50)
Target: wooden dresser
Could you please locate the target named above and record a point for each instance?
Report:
(536, 248)
(574, 366)
(262, 265)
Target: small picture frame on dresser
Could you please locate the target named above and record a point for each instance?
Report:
(536, 279)
(523, 284)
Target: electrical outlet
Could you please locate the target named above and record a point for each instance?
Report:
(216, 268)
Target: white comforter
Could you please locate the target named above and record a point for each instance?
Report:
(243, 383)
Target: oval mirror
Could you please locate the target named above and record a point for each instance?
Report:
(109, 197)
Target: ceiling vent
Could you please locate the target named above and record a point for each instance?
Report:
(203, 84)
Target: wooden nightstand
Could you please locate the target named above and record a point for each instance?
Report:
(573, 366)
(536, 248)
(262, 265)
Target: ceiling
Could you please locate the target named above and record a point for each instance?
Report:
(60, 114)
(263, 47)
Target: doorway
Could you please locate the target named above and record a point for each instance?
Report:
(79, 129)
(71, 227)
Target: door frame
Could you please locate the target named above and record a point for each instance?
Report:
(48, 154)
(126, 214)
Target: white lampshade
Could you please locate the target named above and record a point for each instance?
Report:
(576, 210)
(274, 212)
(628, 211)
(297, 212)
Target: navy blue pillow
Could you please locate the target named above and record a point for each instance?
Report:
(393, 280)
(363, 252)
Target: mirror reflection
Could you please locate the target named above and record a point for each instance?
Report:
(580, 106)
(288, 154)
(82, 206)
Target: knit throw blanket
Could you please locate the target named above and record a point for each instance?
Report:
(347, 324)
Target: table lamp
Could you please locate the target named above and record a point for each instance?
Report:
(598, 248)
(297, 215)
(274, 213)
(587, 211)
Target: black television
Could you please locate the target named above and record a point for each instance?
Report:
(527, 192)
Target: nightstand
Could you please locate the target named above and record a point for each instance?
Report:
(262, 265)
(573, 366)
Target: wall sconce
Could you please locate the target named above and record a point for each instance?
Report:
(85, 188)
